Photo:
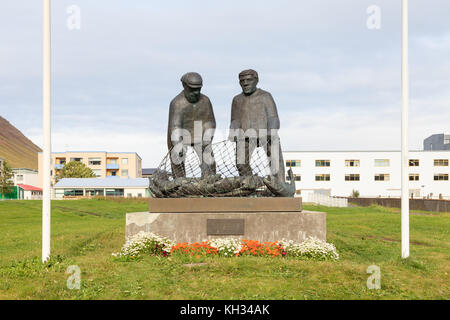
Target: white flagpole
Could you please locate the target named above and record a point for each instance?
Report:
(405, 160)
(46, 113)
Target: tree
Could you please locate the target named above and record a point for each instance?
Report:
(75, 169)
(355, 194)
(6, 176)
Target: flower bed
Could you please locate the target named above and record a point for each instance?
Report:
(149, 243)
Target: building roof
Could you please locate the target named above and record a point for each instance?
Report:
(29, 188)
(121, 152)
(356, 151)
(149, 170)
(102, 183)
(24, 169)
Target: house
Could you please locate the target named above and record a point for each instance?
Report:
(89, 187)
(30, 192)
(25, 176)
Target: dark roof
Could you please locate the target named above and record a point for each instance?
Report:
(148, 170)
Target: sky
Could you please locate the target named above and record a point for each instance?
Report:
(336, 82)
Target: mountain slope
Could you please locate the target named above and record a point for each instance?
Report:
(17, 149)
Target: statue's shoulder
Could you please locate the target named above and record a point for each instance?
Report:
(204, 98)
(238, 98)
(263, 93)
(266, 97)
(178, 101)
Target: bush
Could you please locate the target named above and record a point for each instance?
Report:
(355, 194)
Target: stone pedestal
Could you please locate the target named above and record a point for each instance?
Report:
(197, 219)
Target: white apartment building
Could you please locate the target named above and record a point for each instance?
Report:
(25, 176)
(371, 173)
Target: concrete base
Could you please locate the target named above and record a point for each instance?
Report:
(198, 226)
(209, 205)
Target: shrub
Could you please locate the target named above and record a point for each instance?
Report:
(145, 243)
(355, 194)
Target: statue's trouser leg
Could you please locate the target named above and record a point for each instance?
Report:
(243, 160)
(207, 161)
(276, 161)
(177, 163)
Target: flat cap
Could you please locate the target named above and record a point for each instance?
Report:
(192, 79)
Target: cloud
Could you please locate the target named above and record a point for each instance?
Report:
(336, 83)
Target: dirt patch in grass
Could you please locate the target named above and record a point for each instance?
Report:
(393, 240)
(72, 210)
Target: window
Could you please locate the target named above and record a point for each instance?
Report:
(322, 163)
(441, 177)
(124, 172)
(97, 172)
(95, 161)
(76, 159)
(139, 195)
(125, 161)
(297, 177)
(352, 163)
(382, 177)
(414, 177)
(322, 177)
(114, 192)
(381, 162)
(352, 177)
(95, 192)
(112, 161)
(293, 163)
(73, 192)
(413, 162)
(19, 177)
(441, 162)
(129, 195)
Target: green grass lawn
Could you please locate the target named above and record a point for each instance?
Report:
(86, 232)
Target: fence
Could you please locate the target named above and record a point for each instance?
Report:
(325, 200)
(13, 193)
(414, 204)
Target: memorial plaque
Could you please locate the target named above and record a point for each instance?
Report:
(225, 227)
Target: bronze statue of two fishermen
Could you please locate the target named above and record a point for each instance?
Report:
(254, 123)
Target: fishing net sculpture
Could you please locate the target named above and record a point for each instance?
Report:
(225, 183)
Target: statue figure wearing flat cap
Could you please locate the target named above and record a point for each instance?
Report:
(255, 123)
(191, 123)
